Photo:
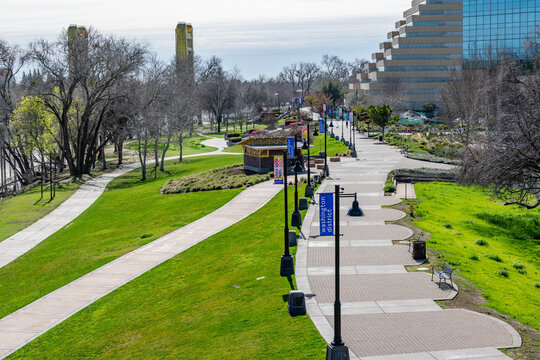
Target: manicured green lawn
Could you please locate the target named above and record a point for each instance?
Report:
(332, 145)
(191, 145)
(234, 149)
(496, 247)
(221, 299)
(20, 211)
(129, 214)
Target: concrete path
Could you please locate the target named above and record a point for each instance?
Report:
(31, 321)
(387, 312)
(21, 242)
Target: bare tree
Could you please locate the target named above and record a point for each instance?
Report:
(301, 76)
(217, 90)
(392, 92)
(335, 68)
(508, 157)
(79, 91)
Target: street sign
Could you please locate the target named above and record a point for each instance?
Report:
(278, 169)
(290, 147)
(326, 214)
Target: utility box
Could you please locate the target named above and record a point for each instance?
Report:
(292, 238)
(302, 203)
(297, 303)
(419, 250)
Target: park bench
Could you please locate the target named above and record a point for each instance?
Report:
(444, 274)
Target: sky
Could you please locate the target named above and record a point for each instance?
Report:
(260, 37)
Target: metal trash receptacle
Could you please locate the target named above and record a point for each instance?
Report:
(419, 250)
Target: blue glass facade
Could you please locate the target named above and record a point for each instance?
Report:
(499, 25)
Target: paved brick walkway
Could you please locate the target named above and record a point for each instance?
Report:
(368, 232)
(380, 334)
(362, 255)
(387, 313)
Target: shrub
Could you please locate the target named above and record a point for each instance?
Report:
(228, 177)
(236, 139)
(495, 258)
(503, 272)
(520, 268)
(475, 258)
(482, 242)
(389, 186)
(448, 226)
(233, 135)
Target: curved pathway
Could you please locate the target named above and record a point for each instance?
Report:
(24, 240)
(31, 321)
(387, 312)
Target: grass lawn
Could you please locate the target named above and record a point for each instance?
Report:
(20, 211)
(129, 214)
(205, 303)
(332, 145)
(496, 247)
(191, 145)
(234, 149)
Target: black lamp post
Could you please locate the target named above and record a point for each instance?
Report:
(342, 137)
(287, 262)
(337, 350)
(325, 168)
(309, 189)
(353, 140)
(296, 218)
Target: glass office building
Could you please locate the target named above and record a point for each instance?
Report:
(436, 38)
(499, 25)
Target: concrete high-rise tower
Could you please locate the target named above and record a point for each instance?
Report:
(184, 45)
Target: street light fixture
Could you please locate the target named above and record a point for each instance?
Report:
(337, 350)
(287, 262)
(353, 140)
(309, 189)
(325, 168)
(296, 219)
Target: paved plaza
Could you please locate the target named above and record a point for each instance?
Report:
(387, 312)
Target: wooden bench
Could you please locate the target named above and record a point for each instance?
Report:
(444, 274)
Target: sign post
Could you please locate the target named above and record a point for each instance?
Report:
(278, 169)
(326, 214)
(291, 147)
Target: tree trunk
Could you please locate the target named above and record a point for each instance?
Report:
(165, 149)
(120, 149)
(180, 143)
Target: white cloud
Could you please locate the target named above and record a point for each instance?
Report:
(220, 27)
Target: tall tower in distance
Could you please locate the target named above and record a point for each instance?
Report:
(184, 46)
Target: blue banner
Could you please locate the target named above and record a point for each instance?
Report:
(321, 125)
(349, 118)
(330, 110)
(326, 214)
(290, 147)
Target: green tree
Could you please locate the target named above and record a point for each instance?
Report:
(381, 115)
(333, 90)
(32, 127)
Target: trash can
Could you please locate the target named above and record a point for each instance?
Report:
(419, 250)
(380, 137)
